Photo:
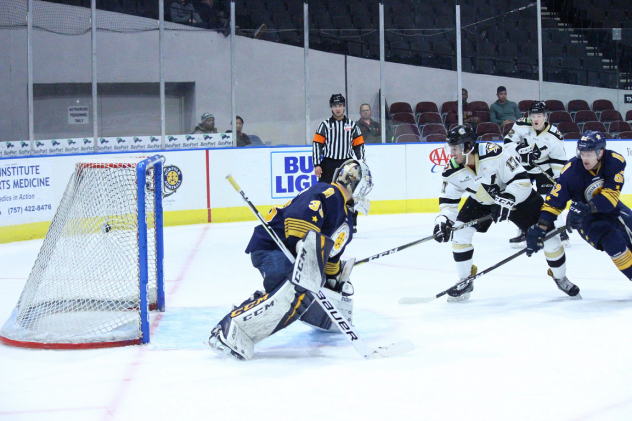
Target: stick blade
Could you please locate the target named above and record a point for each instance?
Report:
(391, 350)
(416, 300)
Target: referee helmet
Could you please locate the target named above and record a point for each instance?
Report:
(337, 99)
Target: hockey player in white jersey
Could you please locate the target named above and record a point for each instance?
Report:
(495, 184)
(540, 147)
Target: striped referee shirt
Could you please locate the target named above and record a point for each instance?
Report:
(337, 139)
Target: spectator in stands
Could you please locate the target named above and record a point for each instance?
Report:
(370, 129)
(207, 125)
(183, 12)
(214, 16)
(503, 111)
(468, 116)
(242, 138)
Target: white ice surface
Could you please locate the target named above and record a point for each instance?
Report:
(518, 350)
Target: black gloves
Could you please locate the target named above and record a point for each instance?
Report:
(502, 207)
(443, 229)
(576, 214)
(535, 239)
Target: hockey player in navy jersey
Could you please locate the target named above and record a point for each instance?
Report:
(496, 185)
(593, 181)
(322, 208)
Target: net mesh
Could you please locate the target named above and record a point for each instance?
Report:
(84, 286)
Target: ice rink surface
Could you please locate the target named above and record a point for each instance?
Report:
(520, 349)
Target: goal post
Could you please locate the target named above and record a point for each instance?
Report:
(100, 268)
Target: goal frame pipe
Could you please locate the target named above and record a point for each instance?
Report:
(141, 179)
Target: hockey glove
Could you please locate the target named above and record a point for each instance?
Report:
(443, 229)
(502, 207)
(528, 153)
(535, 239)
(576, 214)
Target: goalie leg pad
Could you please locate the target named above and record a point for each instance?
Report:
(317, 318)
(311, 256)
(227, 339)
(266, 314)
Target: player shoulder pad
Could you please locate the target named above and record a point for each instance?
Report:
(614, 161)
(451, 168)
(489, 150)
(556, 133)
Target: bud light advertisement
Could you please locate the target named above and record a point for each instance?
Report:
(291, 172)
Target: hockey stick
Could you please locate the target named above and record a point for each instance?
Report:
(348, 332)
(414, 243)
(545, 173)
(463, 284)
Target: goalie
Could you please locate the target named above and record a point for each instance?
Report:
(317, 224)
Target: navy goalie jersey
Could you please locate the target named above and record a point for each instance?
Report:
(320, 208)
(602, 186)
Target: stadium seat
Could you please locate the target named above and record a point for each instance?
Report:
(600, 105)
(407, 138)
(436, 137)
(478, 106)
(610, 115)
(482, 115)
(572, 136)
(617, 127)
(401, 118)
(484, 128)
(401, 107)
(432, 129)
(583, 116)
(426, 107)
(448, 106)
(524, 105)
(451, 119)
(628, 115)
(575, 105)
(507, 128)
(567, 127)
(554, 105)
(491, 137)
(428, 118)
(560, 116)
(625, 135)
(594, 125)
(406, 129)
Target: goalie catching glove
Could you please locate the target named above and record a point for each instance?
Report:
(502, 207)
(443, 229)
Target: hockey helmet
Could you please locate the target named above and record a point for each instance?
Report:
(537, 107)
(356, 177)
(462, 135)
(591, 141)
(337, 99)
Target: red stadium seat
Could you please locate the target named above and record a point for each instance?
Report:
(628, 115)
(406, 129)
(610, 115)
(403, 118)
(577, 105)
(572, 136)
(507, 128)
(617, 127)
(601, 105)
(554, 105)
(400, 107)
(429, 118)
(436, 137)
(426, 107)
(491, 137)
(484, 128)
(407, 138)
(625, 135)
(483, 115)
(567, 127)
(432, 129)
(524, 105)
(595, 125)
(560, 116)
(478, 106)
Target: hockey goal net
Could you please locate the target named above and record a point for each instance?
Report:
(100, 266)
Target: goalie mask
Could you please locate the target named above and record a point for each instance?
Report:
(356, 177)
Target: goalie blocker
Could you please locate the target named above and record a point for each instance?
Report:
(265, 314)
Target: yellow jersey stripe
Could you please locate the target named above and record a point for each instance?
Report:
(611, 195)
(295, 307)
(548, 208)
(624, 261)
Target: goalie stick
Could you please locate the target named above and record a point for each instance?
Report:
(348, 331)
(414, 243)
(464, 283)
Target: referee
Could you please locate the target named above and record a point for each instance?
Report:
(336, 140)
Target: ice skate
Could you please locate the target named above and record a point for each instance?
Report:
(455, 296)
(566, 286)
(519, 241)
